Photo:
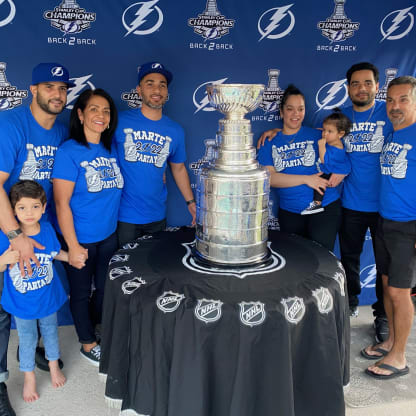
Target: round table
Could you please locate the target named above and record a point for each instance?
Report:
(179, 339)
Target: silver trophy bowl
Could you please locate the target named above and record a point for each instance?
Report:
(233, 190)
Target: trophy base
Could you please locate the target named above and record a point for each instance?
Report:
(206, 263)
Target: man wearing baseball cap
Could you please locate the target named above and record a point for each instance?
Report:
(29, 137)
(146, 142)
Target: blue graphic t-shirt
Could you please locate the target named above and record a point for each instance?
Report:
(398, 175)
(144, 147)
(295, 154)
(27, 150)
(39, 295)
(363, 146)
(97, 192)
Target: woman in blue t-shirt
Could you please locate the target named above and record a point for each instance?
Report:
(87, 186)
(291, 159)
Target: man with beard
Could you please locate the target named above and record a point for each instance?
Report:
(29, 137)
(360, 198)
(396, 232)
(146, 141)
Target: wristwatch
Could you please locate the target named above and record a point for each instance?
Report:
(191, 201)
(13, 234)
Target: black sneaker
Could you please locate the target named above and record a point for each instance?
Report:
(354, 311)
(382, 329)
(313, 208)
(6, 408)
(92, 356)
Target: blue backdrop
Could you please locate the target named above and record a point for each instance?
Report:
(272, 42)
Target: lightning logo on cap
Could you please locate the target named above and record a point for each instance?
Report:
(400, 16)
(11, 15)
(144, 9)
(279, 14)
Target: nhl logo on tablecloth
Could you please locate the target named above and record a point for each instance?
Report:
(208, 310)
(169, 301)
(323, 299)
(130, 246)
(252, 313)
(119, 271)
(340, 278)
(294, 309)
(119, 258)
(130, 286)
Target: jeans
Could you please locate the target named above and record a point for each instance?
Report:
(351, 240)
(86, 308)
(27, 330)
(129, 232)
(4, 336)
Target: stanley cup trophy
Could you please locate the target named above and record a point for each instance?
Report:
(233, 190)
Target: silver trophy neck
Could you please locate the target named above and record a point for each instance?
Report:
(233, 190)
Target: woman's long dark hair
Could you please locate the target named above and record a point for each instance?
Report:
(76, 129)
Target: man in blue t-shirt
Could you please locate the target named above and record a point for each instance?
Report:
(360, 197)
(146, 141)
(29, 137)
(396, 231)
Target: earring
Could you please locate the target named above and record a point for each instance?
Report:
(81, 121)
(108, 126)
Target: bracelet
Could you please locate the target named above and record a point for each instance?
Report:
(191, 201)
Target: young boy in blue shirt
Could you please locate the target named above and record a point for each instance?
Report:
(39, 296)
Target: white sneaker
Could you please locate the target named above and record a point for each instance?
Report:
(313, 208)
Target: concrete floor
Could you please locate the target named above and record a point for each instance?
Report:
(84, 392)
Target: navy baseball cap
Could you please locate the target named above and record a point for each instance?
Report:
(153, 67)
(51, 72)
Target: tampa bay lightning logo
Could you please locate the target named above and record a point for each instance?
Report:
(276, 23)
(368, 276)
(332, 94)
(142, 18)
(200, 97)
(57, 71)
(397, 24)
(277, 262)
(81, 83)
(7, 17)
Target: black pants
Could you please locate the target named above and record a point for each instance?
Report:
(316, 195)
(351, 239)
(322, 227)
(4, 336)
(127, 232)
(86, 309)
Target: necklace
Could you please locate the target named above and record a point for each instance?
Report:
(371, 114)
(293, 138)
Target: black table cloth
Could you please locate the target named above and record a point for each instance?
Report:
(179, 340)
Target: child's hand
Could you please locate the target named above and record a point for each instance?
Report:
(322, 142)
(10, 256)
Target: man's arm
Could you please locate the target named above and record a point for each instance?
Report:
(23, 244)
(180, 174)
